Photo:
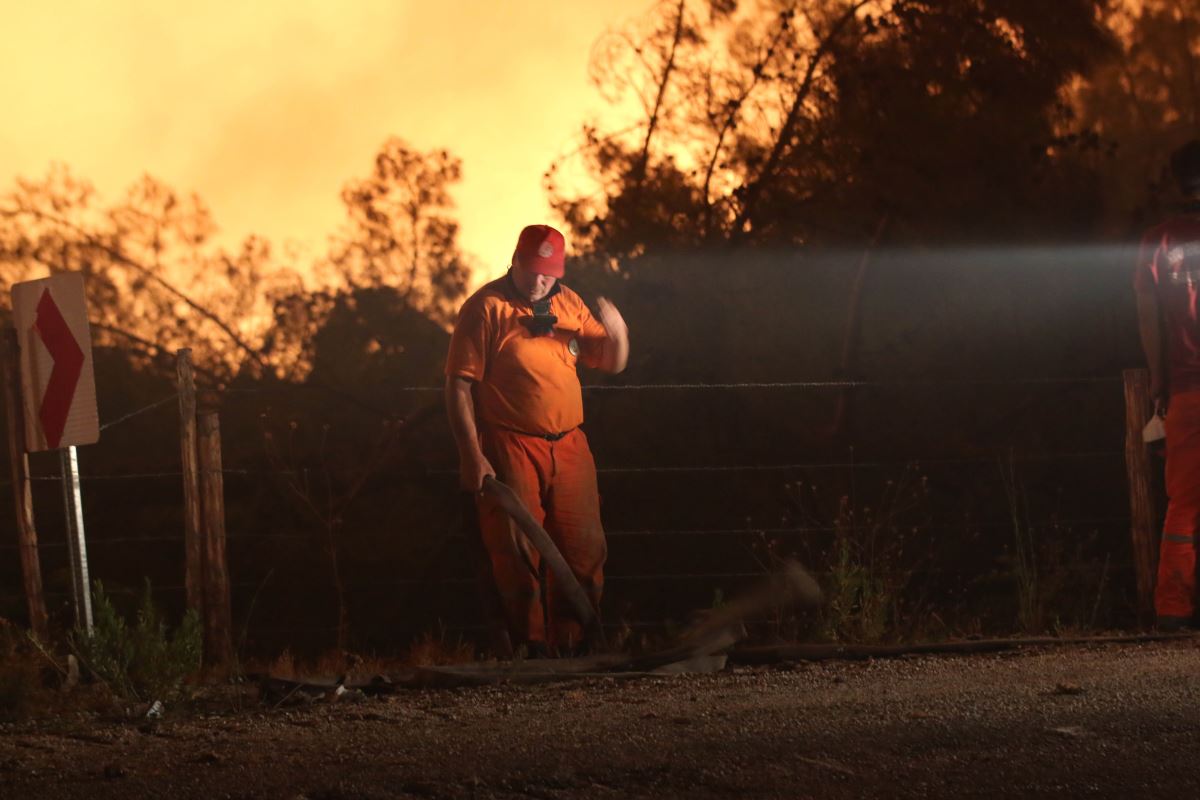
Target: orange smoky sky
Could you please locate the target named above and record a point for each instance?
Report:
(265, 109)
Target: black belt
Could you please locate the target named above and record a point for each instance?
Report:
(549, 437)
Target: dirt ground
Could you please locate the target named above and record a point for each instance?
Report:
(1099, 721)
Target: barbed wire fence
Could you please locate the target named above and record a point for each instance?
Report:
(252, 573)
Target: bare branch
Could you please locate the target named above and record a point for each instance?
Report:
(118, 257)
(639, 170)
(734, 110)
(153, 350)
(755, 188)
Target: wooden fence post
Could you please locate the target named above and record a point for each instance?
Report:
(27, 546)
(1142, 512)
(218, 617)
(192, 544)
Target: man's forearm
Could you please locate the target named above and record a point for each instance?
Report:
(461, 408)
(615, 354)
(1149, 327)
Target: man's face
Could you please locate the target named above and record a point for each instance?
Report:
(531, 285)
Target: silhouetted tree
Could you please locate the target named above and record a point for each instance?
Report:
(400, 231)
(158, 282)
(794, 123)
(1142, 104)
(155, 279)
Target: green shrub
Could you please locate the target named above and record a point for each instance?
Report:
(141, 661)
(868, 564)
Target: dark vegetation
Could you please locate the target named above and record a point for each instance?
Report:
(935, 199)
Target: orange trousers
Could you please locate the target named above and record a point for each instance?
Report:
(557, 483)
(1175, 591)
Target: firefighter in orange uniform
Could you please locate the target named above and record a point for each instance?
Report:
(1167, 284)
(516, 406)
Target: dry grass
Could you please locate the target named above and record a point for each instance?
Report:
(429, 650)
(21, 665)
(432, 651)
(33, 681)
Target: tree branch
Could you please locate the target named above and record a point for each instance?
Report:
(755, 188)
(735, 107)
(152, 349)
(118, 257)
(639, 170)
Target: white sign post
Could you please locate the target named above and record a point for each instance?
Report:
(58, 387)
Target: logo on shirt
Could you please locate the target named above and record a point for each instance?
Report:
(1177, 254)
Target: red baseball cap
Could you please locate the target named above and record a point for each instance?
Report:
(540, 249)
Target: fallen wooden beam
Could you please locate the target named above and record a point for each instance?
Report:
(551, 671)
(700, 649)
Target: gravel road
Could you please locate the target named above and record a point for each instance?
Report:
(1100, 721)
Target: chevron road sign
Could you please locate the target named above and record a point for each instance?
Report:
(58, 388)
(58, 384)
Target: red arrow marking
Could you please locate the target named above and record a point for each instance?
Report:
(68, 364)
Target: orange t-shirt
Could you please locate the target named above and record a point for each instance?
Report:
(524, 382)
